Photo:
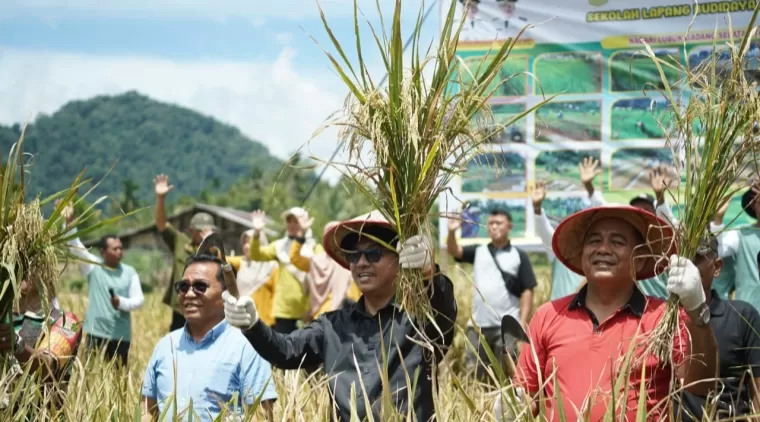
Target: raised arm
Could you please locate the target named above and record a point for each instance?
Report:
(544, 229)
(256, 252)
(162, 187)
(589, 169)
(454, 223)
(661, 178)
(728, 240)
(301, 262)
(88, 260)
(135, 299)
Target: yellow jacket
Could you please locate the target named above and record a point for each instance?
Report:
(290, 300)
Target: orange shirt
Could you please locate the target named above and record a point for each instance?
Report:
(586, 357)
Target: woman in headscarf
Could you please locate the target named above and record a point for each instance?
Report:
(256, 278)
(329, 284)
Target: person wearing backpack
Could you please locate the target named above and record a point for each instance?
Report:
(503, 283)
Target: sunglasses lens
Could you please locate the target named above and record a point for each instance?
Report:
(353, 257)
(181, 287)
(373, 255)
(200, 288)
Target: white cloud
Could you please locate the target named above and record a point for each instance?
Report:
(270, 101)
(205, 9)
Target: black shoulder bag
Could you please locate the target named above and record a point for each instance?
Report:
(511, 282)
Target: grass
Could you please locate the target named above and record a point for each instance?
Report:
(569, 73)
(513, 70)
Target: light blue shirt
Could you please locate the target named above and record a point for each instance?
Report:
(209, 373)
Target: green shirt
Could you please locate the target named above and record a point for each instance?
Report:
(102, 320)
(655, 286)
(739, 249)
(564, 281)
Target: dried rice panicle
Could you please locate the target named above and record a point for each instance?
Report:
(712, 125)
(417, 131)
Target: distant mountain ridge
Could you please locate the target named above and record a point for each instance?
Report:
(147, 137)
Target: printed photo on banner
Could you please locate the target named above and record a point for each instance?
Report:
(559, 169)
(632, 70)
(576, 72)
(491, 19)
(558, 208)
(495, 172)
(513, 74)
(502, 114)
(475, 216)
(703, 55)
(629, 167)
(639, 118)
(567, 121)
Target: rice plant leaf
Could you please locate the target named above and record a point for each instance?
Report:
(335, 42)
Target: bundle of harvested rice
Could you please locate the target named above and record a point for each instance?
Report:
(418, 133)
(711, 130)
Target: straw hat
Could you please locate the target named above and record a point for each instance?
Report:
(335, 234)
(570, 234)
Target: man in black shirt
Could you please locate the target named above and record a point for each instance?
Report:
(350, 342)
(736, 326)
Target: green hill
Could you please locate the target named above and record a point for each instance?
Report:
(146, 137)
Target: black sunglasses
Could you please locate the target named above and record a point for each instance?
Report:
(373, 255)
(183, 287)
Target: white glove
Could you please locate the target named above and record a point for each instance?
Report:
(415, 253)
(685, 282)
(503, 414)
(240, 312)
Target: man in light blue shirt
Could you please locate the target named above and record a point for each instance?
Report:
(216, 367)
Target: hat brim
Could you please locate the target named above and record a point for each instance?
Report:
(747, 199)
(568, 239)
(335, 234)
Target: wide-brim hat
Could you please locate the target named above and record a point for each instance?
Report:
(296, 212)
(570, 235)
(202, 220)
(747, 199)
(334, 235)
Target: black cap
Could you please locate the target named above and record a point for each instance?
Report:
(708, 244)
(747, 199)
(642, 197)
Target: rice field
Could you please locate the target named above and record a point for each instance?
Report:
(570, 73)
(635, 72)
(99, 392)
(513, 71)
(569, 121)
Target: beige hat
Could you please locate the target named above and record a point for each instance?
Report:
(570, 235)
(367, 223)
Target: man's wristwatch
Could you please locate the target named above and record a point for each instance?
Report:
(701, 315)
(20, 346)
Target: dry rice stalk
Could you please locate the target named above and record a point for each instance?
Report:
(711, 132)
(417, 133)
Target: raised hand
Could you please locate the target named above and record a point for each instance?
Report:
(538, 195)
(589, 169)
(454, 221)
(161, 185)
(305, 222)
(258, 221)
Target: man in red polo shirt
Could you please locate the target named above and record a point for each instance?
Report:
(582, 343)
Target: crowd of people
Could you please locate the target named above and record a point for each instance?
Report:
(331, 306)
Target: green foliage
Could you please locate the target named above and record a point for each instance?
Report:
(146, 137)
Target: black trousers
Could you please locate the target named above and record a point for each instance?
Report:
(113, 348)
(178, 321)
(285, 326)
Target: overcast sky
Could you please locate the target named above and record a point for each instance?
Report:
(250, 63)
